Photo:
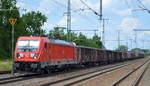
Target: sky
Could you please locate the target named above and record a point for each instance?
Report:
(123, 16)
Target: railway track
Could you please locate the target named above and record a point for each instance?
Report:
(71, 78)
(79, 78)
(135, 74)
(136, 83)
(76, 79)
(144, 79)
(15, 78)
(111, 77)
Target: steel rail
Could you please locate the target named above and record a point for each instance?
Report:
(128, 74)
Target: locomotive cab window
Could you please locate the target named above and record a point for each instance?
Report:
(28, 45)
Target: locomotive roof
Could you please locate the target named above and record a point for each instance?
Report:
(29, 37)
(62, 42)
(54, 41)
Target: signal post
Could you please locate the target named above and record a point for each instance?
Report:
(12, 22)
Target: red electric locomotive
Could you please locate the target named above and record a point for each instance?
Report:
(41, 54)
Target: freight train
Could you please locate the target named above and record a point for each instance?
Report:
(41, 54)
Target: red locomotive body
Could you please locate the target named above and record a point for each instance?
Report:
(61, 51)
(39, 53)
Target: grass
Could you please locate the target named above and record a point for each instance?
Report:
(6, 65)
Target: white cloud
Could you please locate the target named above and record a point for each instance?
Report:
(107, 2)
(47, 26)
(128, 24)
(76, 3)
(45, 6)
(21, 4)
(125, 12)
(63, 21)
(24, 7)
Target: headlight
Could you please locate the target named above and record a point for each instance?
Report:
(19, 55)
(34, 56)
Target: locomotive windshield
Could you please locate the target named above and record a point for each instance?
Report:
(28, 45)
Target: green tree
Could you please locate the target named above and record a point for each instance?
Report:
(136, 49)
(57, 33)
(122, 48)
(146, 52)
(33, 22)
(73, 36)
(96, 39)
(80, 40)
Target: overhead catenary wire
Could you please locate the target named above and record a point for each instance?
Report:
(83, 9)
(134, 16)
(90, 8)
(130, 7)
(126, 2)
(84, 17)
(143, 7)
(74, 10)
(100, 18)
(134, 8)
(77, 11)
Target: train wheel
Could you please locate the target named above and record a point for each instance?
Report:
(43, 71)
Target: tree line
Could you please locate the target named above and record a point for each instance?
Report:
(79, 39)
